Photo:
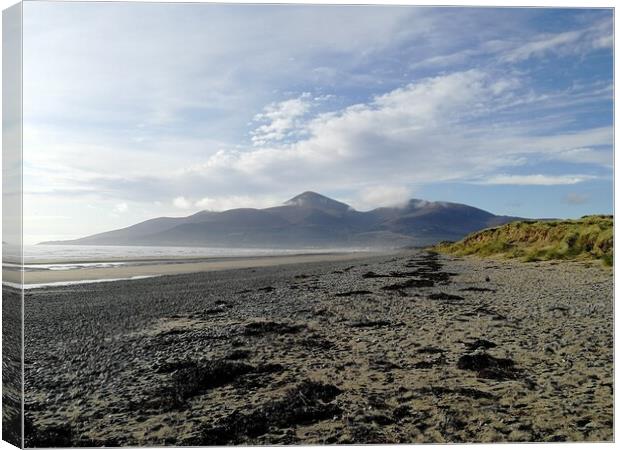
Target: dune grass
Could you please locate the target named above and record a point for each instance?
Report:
(588, 238)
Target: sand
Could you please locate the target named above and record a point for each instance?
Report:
(12, 276)
(174, 266)
(411, 347)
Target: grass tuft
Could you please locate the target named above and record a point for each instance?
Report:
(588, 238)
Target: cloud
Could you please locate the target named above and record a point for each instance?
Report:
(535, 180)
(282, 118)
(595, 37)
(121, 207)
(182, 203)
(399, 123)
(587, 155)
(177, 66)
(444, 128)
(453, 127)
(574, 198)
(236, 201)
(187, 118)
(542, 45)
(522, 45)
(382, 195)
(446, 60)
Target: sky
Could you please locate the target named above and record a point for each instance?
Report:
(138, 110)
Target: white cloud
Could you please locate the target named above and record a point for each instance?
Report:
(519, 48)
(382, 195)
(121, 207)
(586, 156)
(450, 59)
(221, 58)
(444, 128)
(535, 180)
(542, 45)
(600, 35)
(425, 128)
(399, 124)
(236, 201)
(281, 119)
(182, 203)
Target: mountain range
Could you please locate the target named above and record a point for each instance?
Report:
(306, 220)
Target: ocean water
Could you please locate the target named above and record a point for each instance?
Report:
(75, 258)
(71, 283)
(71, 257)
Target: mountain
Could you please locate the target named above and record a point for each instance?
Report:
(312, 200)
(306, 220)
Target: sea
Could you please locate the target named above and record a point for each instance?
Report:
(40, 258)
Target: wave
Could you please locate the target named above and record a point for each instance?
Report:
(74, 282)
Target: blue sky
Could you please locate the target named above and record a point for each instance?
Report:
(139, 110)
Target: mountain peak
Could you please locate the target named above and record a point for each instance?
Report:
(308, 195)
(311, 199)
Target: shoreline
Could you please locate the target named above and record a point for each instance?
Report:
(114, 259)
(171, 266)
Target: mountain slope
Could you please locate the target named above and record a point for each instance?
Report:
(308, 219)
(447, 221)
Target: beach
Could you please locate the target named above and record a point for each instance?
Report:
(410, 347)
(123, 268)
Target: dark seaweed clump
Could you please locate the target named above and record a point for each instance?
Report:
(488, 366)
(307, 403)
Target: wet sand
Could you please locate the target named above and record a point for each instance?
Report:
(411, 347)
(173, 266)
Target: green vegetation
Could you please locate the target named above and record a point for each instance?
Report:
(588, 238)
